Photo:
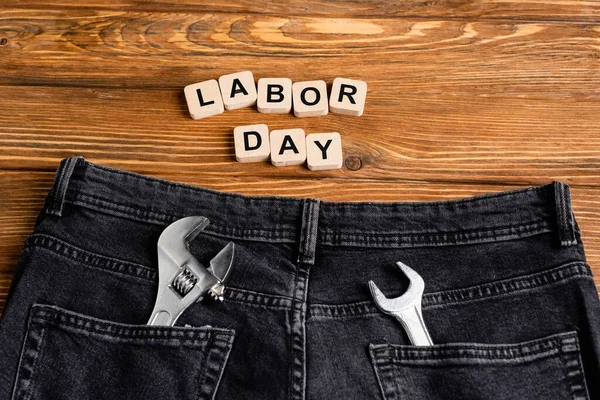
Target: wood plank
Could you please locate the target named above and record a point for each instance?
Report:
(83, 47)
(439, 137)
(23, 194)
(513, 9)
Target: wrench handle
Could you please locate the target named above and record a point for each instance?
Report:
(412, 321)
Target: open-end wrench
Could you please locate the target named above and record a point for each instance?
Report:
(406, 308)
(182, 279)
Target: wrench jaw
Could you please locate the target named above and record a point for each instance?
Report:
(182, 279)
(220, 266)
(406, 308)
(413, 294)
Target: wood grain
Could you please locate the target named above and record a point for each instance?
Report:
(427, 56)
(464, 97)
(440, 137)
(493, 9)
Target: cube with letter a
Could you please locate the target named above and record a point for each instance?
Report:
(238, 90)
(288, 147)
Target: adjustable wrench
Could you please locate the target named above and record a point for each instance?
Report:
(182, 279)
(406, 308)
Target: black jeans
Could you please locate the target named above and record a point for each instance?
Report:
(509, 301)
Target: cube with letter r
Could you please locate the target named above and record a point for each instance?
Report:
(348, 96)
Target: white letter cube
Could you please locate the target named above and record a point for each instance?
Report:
(238, 90)
(324, 151)
(310, 98)
(252, 143)
(203, 99)
(348, 96)
(274, 95)
(288, 147)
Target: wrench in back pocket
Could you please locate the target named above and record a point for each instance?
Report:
(406, 308)
(182, 279)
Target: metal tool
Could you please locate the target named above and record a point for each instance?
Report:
(406, 308)
(182, 279)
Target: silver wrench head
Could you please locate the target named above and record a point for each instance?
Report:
(410, 298)
(182, 279)
(174, 240)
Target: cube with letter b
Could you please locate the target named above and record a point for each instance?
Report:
(252, 143)
(348, 96)
(274, 95)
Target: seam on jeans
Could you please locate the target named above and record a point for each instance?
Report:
(505, 194)
(308, 231)
(61, 184)
(86, 325)
(193, 189)
(201, 393)
(298, 313)
(546, 278)
(225, 350)
(34, 356)
(103, 263)
(375, 363)
(278, 199)
(403, 240)
(564, 214)
(546, 347)
(572, 363)
(249, 297)
(277, 235)
(86, 258)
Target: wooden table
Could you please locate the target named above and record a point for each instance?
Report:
(464, 98)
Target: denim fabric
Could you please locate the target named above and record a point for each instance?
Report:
(509, 300)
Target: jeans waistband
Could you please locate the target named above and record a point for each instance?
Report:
(483, 218)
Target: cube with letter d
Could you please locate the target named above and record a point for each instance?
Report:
(252, 143)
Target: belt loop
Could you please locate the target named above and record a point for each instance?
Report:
(564, 214)
(308, 231)
(61, 183)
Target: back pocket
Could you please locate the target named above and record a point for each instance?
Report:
(548, 368)
(67, 355)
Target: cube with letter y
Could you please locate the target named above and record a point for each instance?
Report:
(252, 143)
(348, 96)
(203, 99)
(238, 90)
(288, 147)
(323, 151)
